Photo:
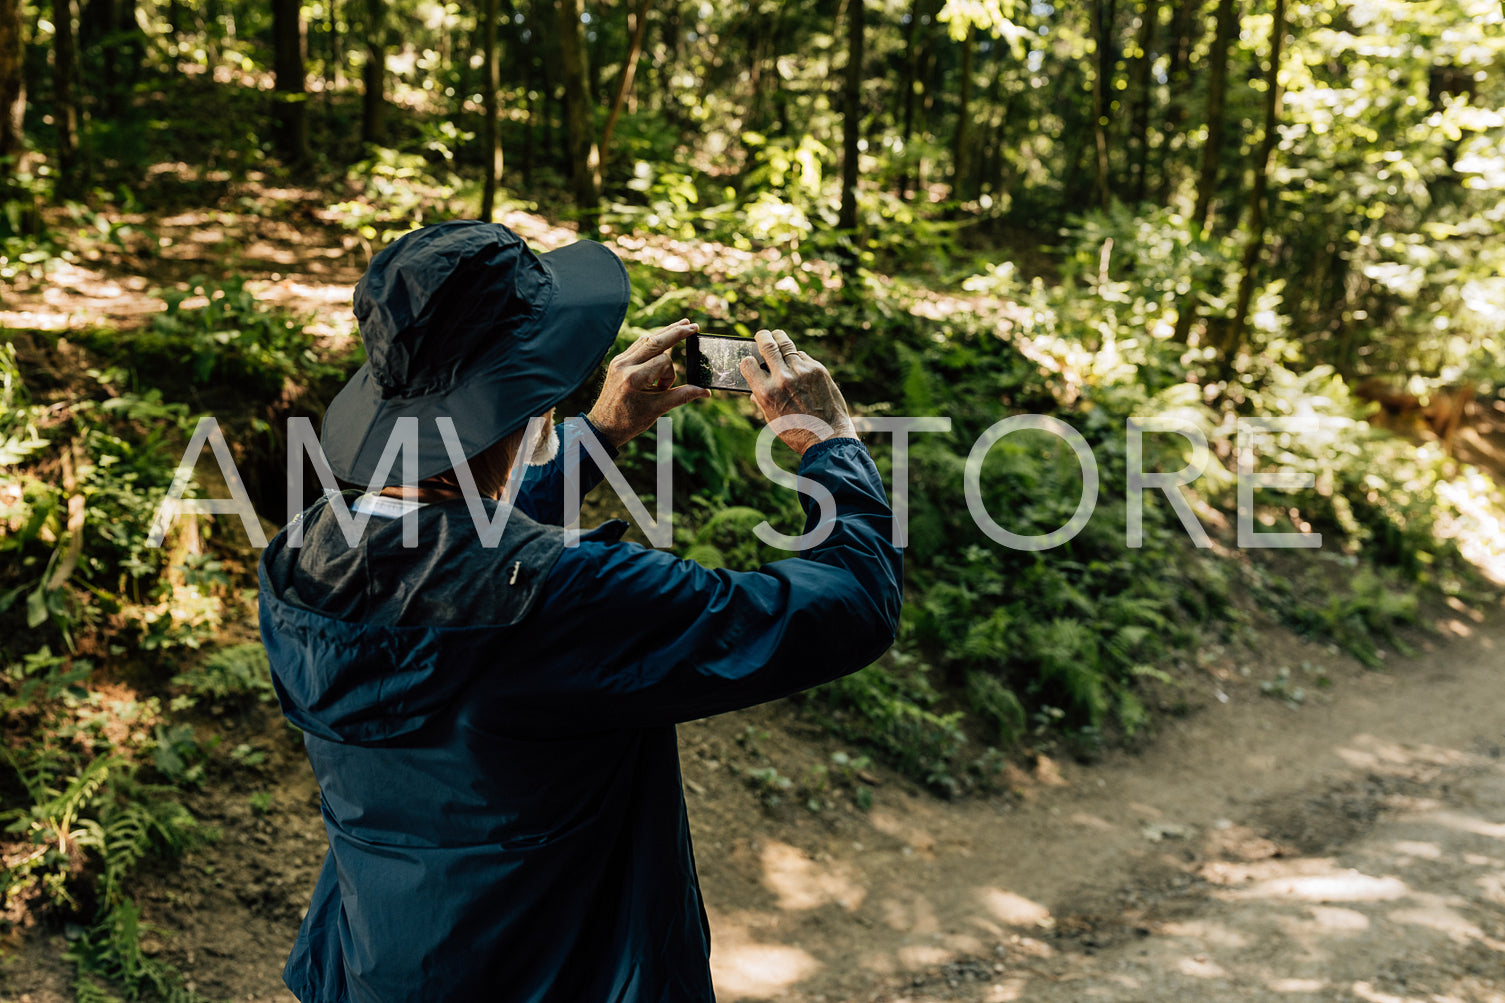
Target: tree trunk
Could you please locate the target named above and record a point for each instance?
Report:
(491, 148)
(64, 74)
(1139, 130)
(624, 82)
(546, 45)
(336, 54)
(673, 37)
(584, 156)
(1212, 151)
(1256, 236)
(213, 35)
(1102, 80)
(963, 119)
(132, 39)
(930, 86)
(287, 66)
(995, 165)
(914, 42)
(851, 129)
(374, 75)
(1184, 20)
(12, 87)
(530, 111)
(1217, 84)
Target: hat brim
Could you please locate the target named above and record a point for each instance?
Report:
(532, 371)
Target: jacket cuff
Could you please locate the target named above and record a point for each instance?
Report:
(611, 450)
(826, 445)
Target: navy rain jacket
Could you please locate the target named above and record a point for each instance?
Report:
(493, 733)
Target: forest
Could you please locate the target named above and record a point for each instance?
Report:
(1192, 212)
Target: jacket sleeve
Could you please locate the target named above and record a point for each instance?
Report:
(627, 636)
(542, 494)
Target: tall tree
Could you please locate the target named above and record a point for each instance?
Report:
(1183, 27)
(624, 81)
(491, 147)
(851, 129)
(584, 155)
(1143, 96)
(290, 92)
(1217, 85)
(374, 75)
(1255, 238)
(1212, 149)
(12, 86)
(1102, 84)
(335, 57)
(910, 83)
(962, 138)
(64, 74)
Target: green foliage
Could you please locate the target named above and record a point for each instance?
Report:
(998, 704)
(104, 814)
(726, 540)
(397, 192)
(1358, 616)
(888, 706)
(770, 785)
(220, 331)
(87, 531)
(78, 489)
(231, 678)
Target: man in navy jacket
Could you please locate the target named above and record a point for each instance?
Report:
(493, 728)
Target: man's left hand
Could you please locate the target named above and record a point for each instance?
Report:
(639, 387)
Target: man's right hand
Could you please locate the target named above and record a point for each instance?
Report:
(796, 384)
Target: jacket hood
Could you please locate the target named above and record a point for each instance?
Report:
(370, 643)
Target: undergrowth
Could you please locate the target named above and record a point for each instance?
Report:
(99, 677)
(1002, 647)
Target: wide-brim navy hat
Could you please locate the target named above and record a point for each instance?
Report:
(462, 320)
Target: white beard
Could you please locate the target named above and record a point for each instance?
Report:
(545, 447)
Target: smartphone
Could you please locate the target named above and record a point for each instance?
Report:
(713, 361)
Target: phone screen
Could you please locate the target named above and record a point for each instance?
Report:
(714, 359)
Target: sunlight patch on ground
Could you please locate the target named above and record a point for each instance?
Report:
(1015, 910)
(1372, 753)
(1343, 886)
(1297, 985)
(802, 883)
(1493, 886)
(1007, 991)
(1335, 919)
(1435, 912)
(1206, 931)
(741, 967)
(1412, 848)
(536, 230)
(1467, 823)
(906, 832)
(921, 955)
(916, 916)
(76, 297)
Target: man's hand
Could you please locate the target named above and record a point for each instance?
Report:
(796, 384)
(639, 387)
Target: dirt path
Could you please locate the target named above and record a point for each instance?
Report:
(1353, 849)
(1349, 848)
